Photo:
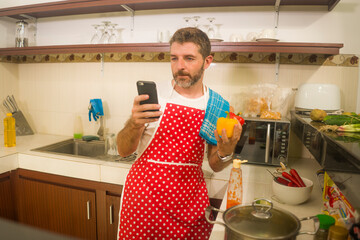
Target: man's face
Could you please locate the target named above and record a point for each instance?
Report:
(187, 64)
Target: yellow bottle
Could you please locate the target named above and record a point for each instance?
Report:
(9, 131)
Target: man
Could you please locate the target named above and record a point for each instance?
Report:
(165, 194)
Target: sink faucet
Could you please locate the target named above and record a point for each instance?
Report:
(100, 132)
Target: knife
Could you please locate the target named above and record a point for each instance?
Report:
(11, 104)
(14, 102)
(7, 106)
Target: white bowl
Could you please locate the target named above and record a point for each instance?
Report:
(292, 195)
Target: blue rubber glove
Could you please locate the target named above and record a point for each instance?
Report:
(95, 109)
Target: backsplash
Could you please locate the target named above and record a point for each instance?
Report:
(51, 95)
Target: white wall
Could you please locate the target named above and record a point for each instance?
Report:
(52, 94)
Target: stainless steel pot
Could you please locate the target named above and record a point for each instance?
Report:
(258, 221)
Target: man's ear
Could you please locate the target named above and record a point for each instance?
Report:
(208, 61)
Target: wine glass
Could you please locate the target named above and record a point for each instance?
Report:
(187, 21)
(105, 35)
(196, 21)
(211, 29)
(96, 37)
(113, 33)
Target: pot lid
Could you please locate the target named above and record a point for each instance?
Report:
(261, 221)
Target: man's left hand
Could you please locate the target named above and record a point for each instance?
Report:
(226, 146)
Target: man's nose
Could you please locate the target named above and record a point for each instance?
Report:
(181, 64)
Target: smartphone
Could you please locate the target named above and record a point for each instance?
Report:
(149, 88)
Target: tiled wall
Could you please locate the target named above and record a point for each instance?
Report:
(52, 94)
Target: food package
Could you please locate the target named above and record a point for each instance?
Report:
(270, 115)
(255, 99)
(337, 205)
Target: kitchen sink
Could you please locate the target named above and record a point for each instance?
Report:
(89, 149)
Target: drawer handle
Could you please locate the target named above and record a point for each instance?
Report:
(111, 214)
(88, 209)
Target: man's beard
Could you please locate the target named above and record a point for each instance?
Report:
(186, 83)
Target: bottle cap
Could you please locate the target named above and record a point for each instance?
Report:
(237, 163)
(8, 114)
(326, 221)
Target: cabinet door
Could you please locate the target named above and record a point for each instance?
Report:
(112, 216)
(6, 201)
(65, 210)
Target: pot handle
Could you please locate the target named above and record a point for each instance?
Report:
(208, 213)
(316, 226)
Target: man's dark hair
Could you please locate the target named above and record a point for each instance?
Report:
(194, 35)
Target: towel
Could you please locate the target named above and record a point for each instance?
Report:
(216, 107)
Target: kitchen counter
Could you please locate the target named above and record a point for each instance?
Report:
(257, 184)
(256, 180)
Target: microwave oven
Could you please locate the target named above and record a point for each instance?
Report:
(264, 141)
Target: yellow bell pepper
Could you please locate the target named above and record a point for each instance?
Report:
(228, 124)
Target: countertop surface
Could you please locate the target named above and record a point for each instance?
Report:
(256, 180)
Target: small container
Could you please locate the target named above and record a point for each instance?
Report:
(338, 233)
(325, 222)
(9, 131)
(235, 188)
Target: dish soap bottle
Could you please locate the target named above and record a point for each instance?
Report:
(235, 188)
(78, 129)
(9, 131)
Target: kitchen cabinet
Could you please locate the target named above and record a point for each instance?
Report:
(65, 205)
(6, 198)
(72, 7)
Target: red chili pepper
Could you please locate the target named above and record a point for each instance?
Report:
(291, 178)
(282, 181)
(240, 119)
(291, 184)
(294, 173)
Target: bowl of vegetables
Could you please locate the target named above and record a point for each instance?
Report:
(291, 189)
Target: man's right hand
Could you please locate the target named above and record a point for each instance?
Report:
(146, 113)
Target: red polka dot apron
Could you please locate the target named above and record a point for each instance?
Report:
(165, 194)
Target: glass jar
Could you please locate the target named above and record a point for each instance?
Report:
(338, 233)
(21, 36)
(325, 222)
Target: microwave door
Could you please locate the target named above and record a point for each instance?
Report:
(258, 144)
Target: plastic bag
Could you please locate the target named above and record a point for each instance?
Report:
(337, 205)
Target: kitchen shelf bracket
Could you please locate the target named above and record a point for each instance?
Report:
(277, 9)
(130, 10)
(277, 66)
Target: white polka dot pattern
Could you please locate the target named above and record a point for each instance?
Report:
(166, 197)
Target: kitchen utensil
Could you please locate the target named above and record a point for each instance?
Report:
(317, 96)
(258, 221)
(21, 125)
(292, 195)
(6, 105)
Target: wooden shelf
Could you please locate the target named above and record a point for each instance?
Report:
(74, 7)
(273, 47)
